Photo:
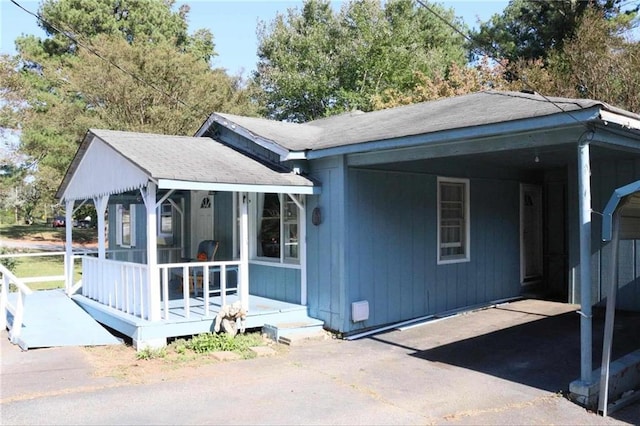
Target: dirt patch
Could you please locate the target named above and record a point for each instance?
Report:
(122, 362)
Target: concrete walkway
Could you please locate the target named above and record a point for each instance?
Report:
(488, 367)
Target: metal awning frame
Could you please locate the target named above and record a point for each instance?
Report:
(611, 232)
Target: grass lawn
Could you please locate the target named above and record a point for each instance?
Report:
(45, 233)
(43, 266)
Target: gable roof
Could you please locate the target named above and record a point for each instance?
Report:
(110, 162)
(466, 111)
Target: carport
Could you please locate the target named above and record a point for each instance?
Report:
(621, 222)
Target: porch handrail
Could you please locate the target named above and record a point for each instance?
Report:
(7, 307)
(120, 285)
(192, 270)
(139, 255)
(50, 278)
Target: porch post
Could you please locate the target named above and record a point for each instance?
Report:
(302, 245)
(101, 207)
(149, 197)
(68, 248)
(244, 251)
(584, 199)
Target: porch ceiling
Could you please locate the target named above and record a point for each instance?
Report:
(110, 162)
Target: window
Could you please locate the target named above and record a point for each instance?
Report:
(125, 225)
(277, 227)
(453, 220)
(165, 220)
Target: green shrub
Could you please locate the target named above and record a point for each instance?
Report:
(211, 342)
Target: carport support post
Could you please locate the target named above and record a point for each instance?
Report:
(68, 256)
(584, 199)
(603, 393)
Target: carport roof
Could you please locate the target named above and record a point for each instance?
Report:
(466, 111)
(110, 162)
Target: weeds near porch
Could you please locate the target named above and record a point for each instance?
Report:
(213, 342)
(149, 353)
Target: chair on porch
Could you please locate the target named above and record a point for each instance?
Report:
(206, 252)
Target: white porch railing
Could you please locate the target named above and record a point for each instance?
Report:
(197, 277)
(15, 309)
(165, 255)
(120, 285)
(21, 288)
(125, 285)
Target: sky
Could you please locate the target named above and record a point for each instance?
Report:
(232, 22)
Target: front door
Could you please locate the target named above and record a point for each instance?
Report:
(531, 269)
(202, 215)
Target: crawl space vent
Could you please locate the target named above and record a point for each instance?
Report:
(360, 311)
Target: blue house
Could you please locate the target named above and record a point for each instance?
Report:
(361, 219)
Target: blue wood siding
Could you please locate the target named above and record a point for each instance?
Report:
(392, 247)
(275, 282)
(608, 175)
(325, 245)
(140, 232)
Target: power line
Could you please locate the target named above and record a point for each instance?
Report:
(470, 40)
(107, 60)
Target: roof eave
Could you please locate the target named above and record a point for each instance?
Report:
(244, 132)
(239, 187)
(563, 119)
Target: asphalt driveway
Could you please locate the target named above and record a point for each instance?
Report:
(505, 365)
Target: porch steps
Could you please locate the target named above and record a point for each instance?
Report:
(51, 319)
(294, 330)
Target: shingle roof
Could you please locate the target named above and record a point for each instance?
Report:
(470, 110)
(194, 159)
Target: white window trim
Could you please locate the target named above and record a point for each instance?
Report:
(264, 260)
(132, 225)
(159, 221)
(467, 222)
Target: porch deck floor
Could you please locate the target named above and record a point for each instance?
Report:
(258, 306)
(262, 311)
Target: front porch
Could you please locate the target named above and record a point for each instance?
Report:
(150, 278)
(191, 294)
(264, 313)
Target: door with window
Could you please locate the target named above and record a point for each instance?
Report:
(531, 261)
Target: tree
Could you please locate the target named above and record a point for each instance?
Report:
(599, 62)
(315, 62)
(128, 65)
(532, 29)
(459, 80)
(181, 89)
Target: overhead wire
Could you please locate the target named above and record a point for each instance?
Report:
(470, 40)
(93, 51)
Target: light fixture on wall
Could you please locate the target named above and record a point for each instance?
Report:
(316, 216)
(536, 159)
